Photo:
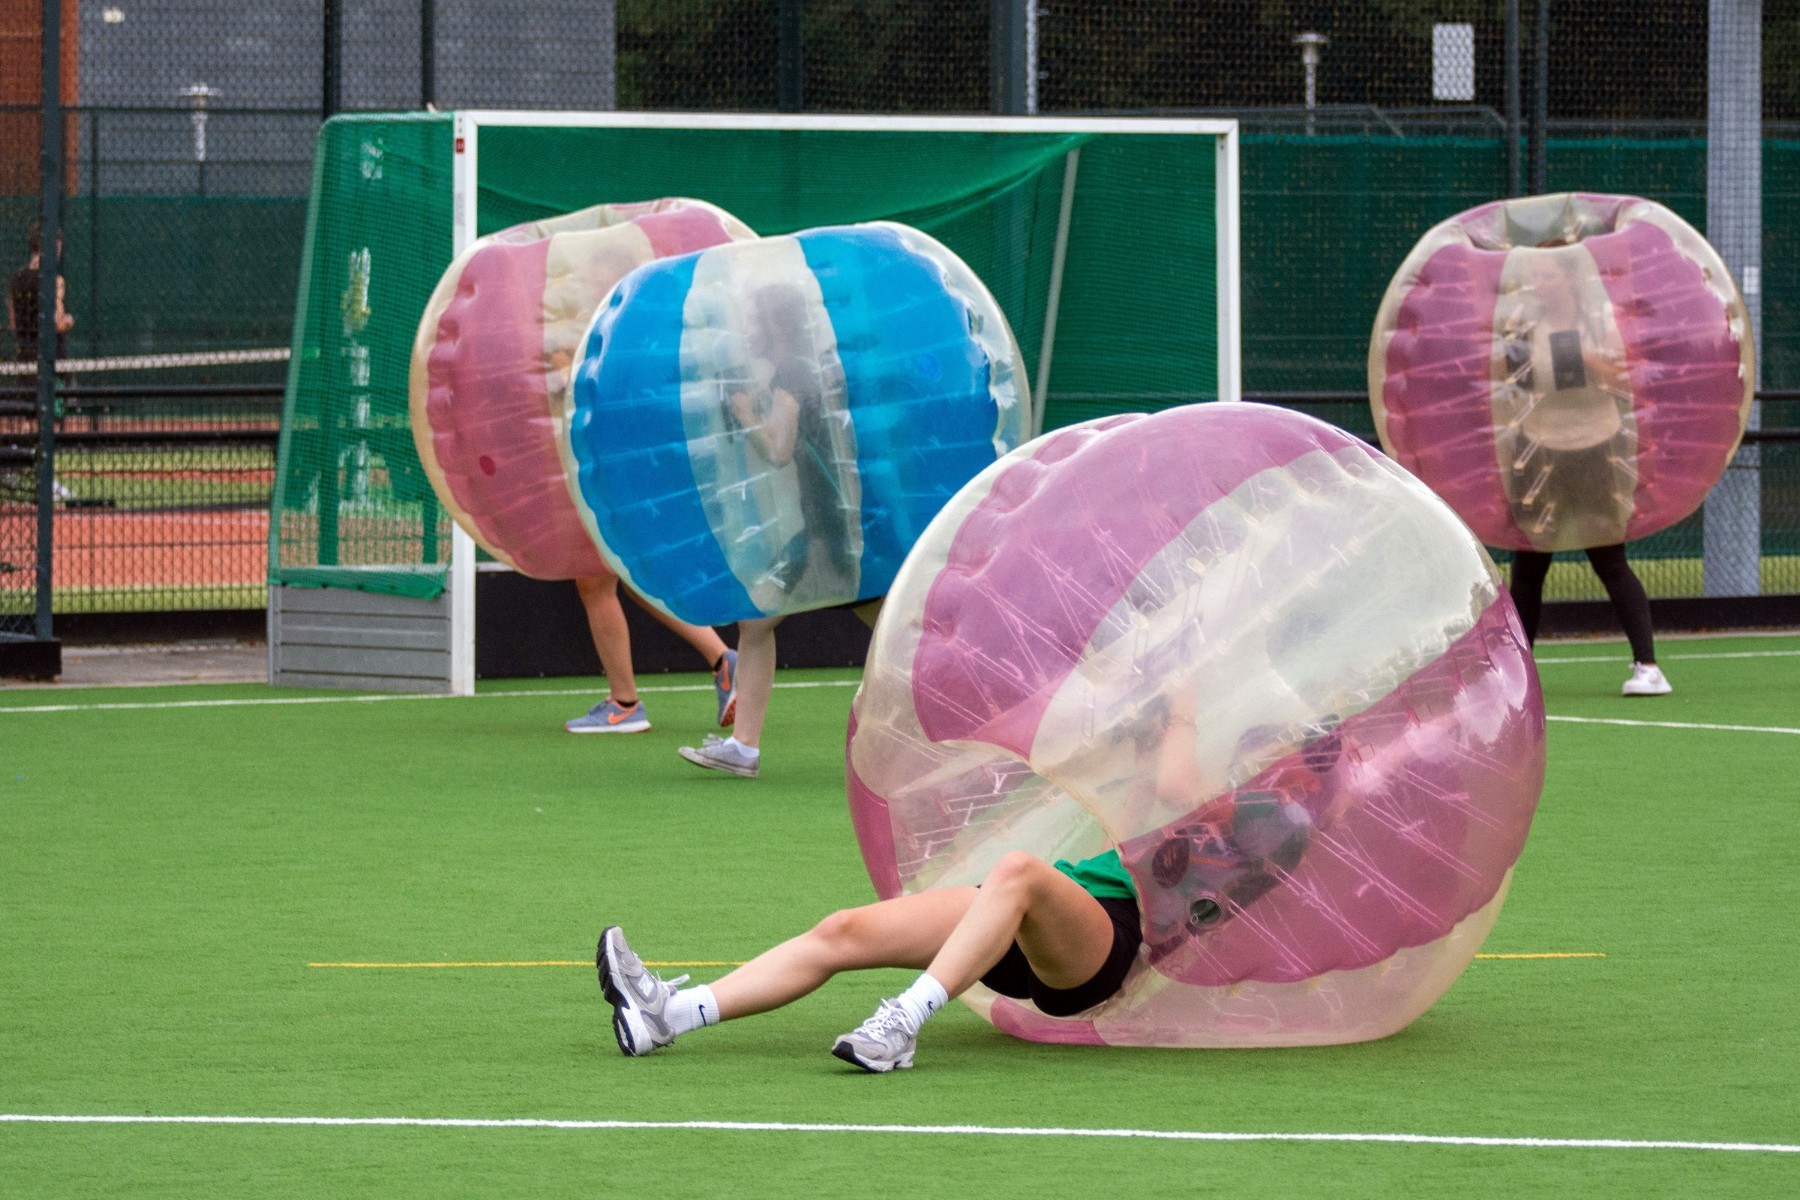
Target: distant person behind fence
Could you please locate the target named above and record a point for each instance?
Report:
(22, 316)
(22, 300)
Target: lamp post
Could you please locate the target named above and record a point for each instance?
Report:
(198, 96)
(1310, 44)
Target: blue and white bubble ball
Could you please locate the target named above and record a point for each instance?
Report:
(766, 427)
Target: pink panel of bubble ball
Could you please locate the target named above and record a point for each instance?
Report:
(492, 360)
(1566, 371)
(1266, 665)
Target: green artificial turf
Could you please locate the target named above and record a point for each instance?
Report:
(167, 875)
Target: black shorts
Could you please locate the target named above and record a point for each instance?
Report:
(1013, 976)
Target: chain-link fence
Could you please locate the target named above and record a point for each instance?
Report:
(188, 128)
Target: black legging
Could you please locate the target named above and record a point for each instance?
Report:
(1529, 567)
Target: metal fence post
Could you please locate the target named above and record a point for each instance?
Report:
(331, 82)
(50, 182)
(427, 53)
(1540, 102)
(1515, 174)
(93, 226)
(790, 51)
(1732, 534)
(1010, 63)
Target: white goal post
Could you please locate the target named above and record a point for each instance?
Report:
(468, 225)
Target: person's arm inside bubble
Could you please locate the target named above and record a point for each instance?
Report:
(773, 422)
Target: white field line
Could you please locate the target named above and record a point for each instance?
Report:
(383, 697)
(1163, 1135)
(378, 698)
(1708, 635)
(1674, 724)
(1613, 658)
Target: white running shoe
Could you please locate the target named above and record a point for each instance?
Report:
(1646, 680)
(639, 997)
(883, 1043)
(720, 754)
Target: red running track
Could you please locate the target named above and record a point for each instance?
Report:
(104, 548)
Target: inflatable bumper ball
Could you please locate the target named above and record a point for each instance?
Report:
(1566, 371)
(492, 359)
(766, 427)
(1261, 661)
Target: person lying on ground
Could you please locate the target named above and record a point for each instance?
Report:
(1063, 936)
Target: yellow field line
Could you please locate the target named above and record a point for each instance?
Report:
(558, 962)
(1552, 954)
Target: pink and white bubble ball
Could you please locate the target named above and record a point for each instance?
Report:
(492, 360)
(1256, 657)
(1567, 371)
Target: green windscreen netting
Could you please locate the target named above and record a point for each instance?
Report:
(1135, 302)
(352, 506)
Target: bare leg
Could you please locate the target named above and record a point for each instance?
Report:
(612, 637)
(756, 677)
(904, 932)
(703, 638)
(1064, 932)
(956, 934)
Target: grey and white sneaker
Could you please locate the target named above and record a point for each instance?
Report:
(609, 716)
(1646, 679)
(883, 1043)
(640, 998)
(719, 754)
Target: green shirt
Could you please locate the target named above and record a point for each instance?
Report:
(1103, 876)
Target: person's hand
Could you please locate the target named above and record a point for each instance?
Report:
(744, 409)
(64, 322)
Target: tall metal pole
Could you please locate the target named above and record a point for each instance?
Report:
(427, 53)
(1540, 102)
(1311, 44)
(1009, 26)
(92, 290)
(198, 96)
(331, 90)
(791, 52)
(50, 182)
(1515, 173)
(1731, 562)
(1008, 96)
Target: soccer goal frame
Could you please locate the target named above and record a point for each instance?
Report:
(467, 225)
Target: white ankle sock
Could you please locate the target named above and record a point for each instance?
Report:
(750, 751)
(693, 1008)
(924, 997)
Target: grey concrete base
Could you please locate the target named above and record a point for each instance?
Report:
(165, 663)
(339, 638)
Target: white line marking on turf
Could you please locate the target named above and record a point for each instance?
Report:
(382, 697)
(1613, 658)
(1164, 1135)
(1674, 724)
